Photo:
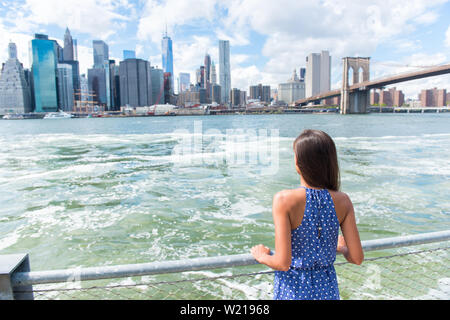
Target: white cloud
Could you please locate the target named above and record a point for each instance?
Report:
(98, 18)
(173, 13)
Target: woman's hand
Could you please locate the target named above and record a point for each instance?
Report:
(259, 252)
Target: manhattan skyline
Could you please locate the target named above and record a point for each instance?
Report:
(266, 43)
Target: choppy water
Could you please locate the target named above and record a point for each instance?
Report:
(88, 192)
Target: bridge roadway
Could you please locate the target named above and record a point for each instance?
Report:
(379, 83)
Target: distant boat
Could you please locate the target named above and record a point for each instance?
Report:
(58, 115)
(11, 116)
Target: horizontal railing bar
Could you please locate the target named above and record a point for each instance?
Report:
(176, 266)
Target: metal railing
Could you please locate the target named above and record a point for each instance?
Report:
(26, 284)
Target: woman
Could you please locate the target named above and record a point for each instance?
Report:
(307, 223)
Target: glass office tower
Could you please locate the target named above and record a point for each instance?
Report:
(167, 58)
(65, 87)
(44, 69)
(99, 75)
(224, 69)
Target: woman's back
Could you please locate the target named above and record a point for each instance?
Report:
(314, 241)
(314, 236)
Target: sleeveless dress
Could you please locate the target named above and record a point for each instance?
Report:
(311, 275)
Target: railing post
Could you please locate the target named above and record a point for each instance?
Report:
(9, 264)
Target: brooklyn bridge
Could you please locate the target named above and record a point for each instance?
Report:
(355, 98)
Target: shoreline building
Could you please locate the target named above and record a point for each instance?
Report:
(260, 92)
(15, 92)
(44, 70)
(292, 90)
(235, 98)
(388, 98)
(194, 96)
(135, 83)
(318, 73)
(224, 70)
(157, 85)
(216, 93)
(433, 97)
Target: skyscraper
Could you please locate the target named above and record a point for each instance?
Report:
(157, 85)
(101, 53)
(70, 56)
(135, 83)
(75, 49)
(224, 69)
(99, 75)
(44, 68)
(207, 67)
(114, 85)
(302, 74)
(15, 93)
(84, 89)
(216, 94)
(185, 81)
(68, 46)
(260, 92)
(235, 98)
(65, 87)
(167, 58)
(213, 74)
(75, 74)
(97, 85)
(318, 73)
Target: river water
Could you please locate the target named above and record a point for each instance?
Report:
(105, 191)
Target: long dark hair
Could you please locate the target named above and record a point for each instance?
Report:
(317, 159)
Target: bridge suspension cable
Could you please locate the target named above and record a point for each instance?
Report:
(396, 64)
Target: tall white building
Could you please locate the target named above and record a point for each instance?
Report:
(65, 87)
(318, 73)
(292, 90)
(212, 74)
(15, 94)
(224, 70)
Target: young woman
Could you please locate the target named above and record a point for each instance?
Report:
(307, 222)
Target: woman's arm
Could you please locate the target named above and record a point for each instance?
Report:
(350, 244)
(281, 260)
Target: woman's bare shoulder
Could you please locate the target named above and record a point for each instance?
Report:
(290, 197)
(342, 203)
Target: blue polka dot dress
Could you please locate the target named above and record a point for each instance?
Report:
(311, 275)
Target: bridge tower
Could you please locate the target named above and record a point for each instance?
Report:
(356, 101)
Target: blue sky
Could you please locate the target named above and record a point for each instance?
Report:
(269, 39)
